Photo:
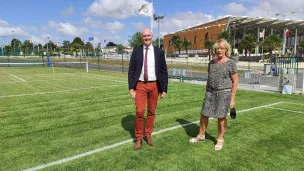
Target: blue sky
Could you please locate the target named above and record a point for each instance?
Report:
(115, 20)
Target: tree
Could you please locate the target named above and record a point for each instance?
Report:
(247, 43)
(186, 44)
(66, 44)
(15, 43)
(176, 42)
(271, 43)
(136, 40)
(120, 48)
(50, 45)
(225, 35)
(155, 42)
(77, 40)
(208, 45)
(8, 49)
(28, 45)
(301, 47)
(76, 48)
(88, 47)
(23, 49)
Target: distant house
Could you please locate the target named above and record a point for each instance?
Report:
(111, 48)
(128, 50)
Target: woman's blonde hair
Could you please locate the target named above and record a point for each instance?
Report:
(222, 43)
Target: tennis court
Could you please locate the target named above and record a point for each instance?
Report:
(68, 119)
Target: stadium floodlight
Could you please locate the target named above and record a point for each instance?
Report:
(158, 18)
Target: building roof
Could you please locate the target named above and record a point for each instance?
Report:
(245, 21)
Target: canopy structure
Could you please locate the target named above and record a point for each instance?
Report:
(238, 26)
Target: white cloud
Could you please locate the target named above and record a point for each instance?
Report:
(111, 38)
(68, 29)
(267, 8)
(182, 20)
(3, 23)
(270, 8)
(68, 11)
(115, 9)
(234, 8)
(111, 26)
(126, 43)
(138, 25)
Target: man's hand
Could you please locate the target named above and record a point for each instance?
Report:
(132, 93)
(232, 104)
(163, 95)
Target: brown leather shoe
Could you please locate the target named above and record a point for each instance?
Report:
(149, 141)
(137, 144)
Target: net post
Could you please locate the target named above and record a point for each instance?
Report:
(87, 67)
(53, 68)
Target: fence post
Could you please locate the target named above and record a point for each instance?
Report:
(303, 83)
(122, 67)
(98, 62)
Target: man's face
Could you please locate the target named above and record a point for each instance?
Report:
(146, 36)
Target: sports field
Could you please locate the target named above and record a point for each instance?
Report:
(68, 119)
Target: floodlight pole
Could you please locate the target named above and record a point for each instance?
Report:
(47, 46)
(14, 40)
(158, 18)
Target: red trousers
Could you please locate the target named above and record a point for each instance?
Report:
(146, 94)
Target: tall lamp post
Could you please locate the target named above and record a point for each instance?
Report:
(14, 40)
(158, 18)
(47, 46)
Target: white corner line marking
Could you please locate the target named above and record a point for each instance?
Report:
(18, 78)
(60, 91)
(285, 110)
(125, 142)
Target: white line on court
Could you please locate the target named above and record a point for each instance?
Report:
(125, 142)
(294, 103)
(285, 110)
(18, 78)
(103, 76)
(98, 78)
(60, 91)
(57, 79)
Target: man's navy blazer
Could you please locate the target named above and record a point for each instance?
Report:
(136, 65)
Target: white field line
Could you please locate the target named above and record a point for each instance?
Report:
(18, 78)
(8, 82)
(285, 110)
(60, 91)
(98, 78)
(294, 103)
(125, 142)
(102, 76)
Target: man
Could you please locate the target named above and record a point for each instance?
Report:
(147, 77)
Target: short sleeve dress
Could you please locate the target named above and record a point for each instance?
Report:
(218, 94)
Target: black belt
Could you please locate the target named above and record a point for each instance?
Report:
(146, 81)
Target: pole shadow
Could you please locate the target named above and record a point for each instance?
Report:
(192, 129)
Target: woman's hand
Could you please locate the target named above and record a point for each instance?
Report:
(232, 103)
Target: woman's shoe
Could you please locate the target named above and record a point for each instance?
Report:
(219, 147)
(198, 138)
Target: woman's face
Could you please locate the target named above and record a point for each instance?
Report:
(220, 51)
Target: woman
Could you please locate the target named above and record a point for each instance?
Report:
(220, 92)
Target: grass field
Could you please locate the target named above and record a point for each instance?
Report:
(74, 120)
